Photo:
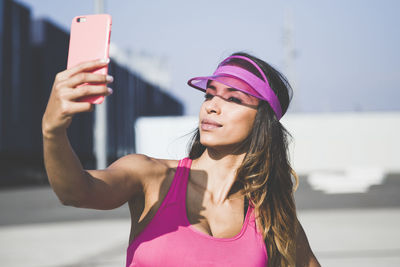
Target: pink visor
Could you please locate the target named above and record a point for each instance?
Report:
(258, 88)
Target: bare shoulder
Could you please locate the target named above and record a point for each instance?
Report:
(125, 179)
(145, 168)
(143, 161)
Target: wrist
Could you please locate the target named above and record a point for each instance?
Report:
(51, 135)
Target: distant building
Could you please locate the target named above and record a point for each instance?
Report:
(152, 68)
(32, 52)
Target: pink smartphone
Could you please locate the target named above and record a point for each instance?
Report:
(89, 40)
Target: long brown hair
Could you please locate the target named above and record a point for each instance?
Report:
(265, 173)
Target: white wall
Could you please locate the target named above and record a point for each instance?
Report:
(341, 140)
(329, 147)
(164, 137)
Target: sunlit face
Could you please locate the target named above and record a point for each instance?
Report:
(226, 115)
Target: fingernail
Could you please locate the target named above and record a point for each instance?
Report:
(110, 78)
(105, 60)
(110, 90)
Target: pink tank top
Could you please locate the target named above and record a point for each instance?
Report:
(170, 240)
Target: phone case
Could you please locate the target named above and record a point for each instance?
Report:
(89, 40)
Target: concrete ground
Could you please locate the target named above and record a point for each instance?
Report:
(352, 229)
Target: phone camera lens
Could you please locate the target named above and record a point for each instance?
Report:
(81, 19)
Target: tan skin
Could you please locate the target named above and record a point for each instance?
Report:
(212, 207)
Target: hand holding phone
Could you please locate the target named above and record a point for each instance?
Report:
(90, 40)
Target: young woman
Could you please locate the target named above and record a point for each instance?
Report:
(229, 203)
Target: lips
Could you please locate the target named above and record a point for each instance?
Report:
(208, 124)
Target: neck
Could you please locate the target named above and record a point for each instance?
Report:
(219, 177)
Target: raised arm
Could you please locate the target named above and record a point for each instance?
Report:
(98, 189)
(304, 255)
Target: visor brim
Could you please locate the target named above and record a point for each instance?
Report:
(201, 83)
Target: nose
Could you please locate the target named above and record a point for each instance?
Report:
(213, 105)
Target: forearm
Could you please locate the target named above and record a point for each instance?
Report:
(66, 175)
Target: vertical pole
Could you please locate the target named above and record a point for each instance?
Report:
(100, 121)
(98, 6)
(2, 26)
(290, 56)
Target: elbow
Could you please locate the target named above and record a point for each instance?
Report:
(71, 200)
(74, 196)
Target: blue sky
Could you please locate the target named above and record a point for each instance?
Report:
(347, 55)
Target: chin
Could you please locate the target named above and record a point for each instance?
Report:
(209, 143)
(218, 143)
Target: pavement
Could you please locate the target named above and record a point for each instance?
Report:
(347, 229)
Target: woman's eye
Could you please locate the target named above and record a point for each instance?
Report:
(208, 96)
(236, 100)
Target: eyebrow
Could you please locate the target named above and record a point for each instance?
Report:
(212, 87)
(229, 88)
